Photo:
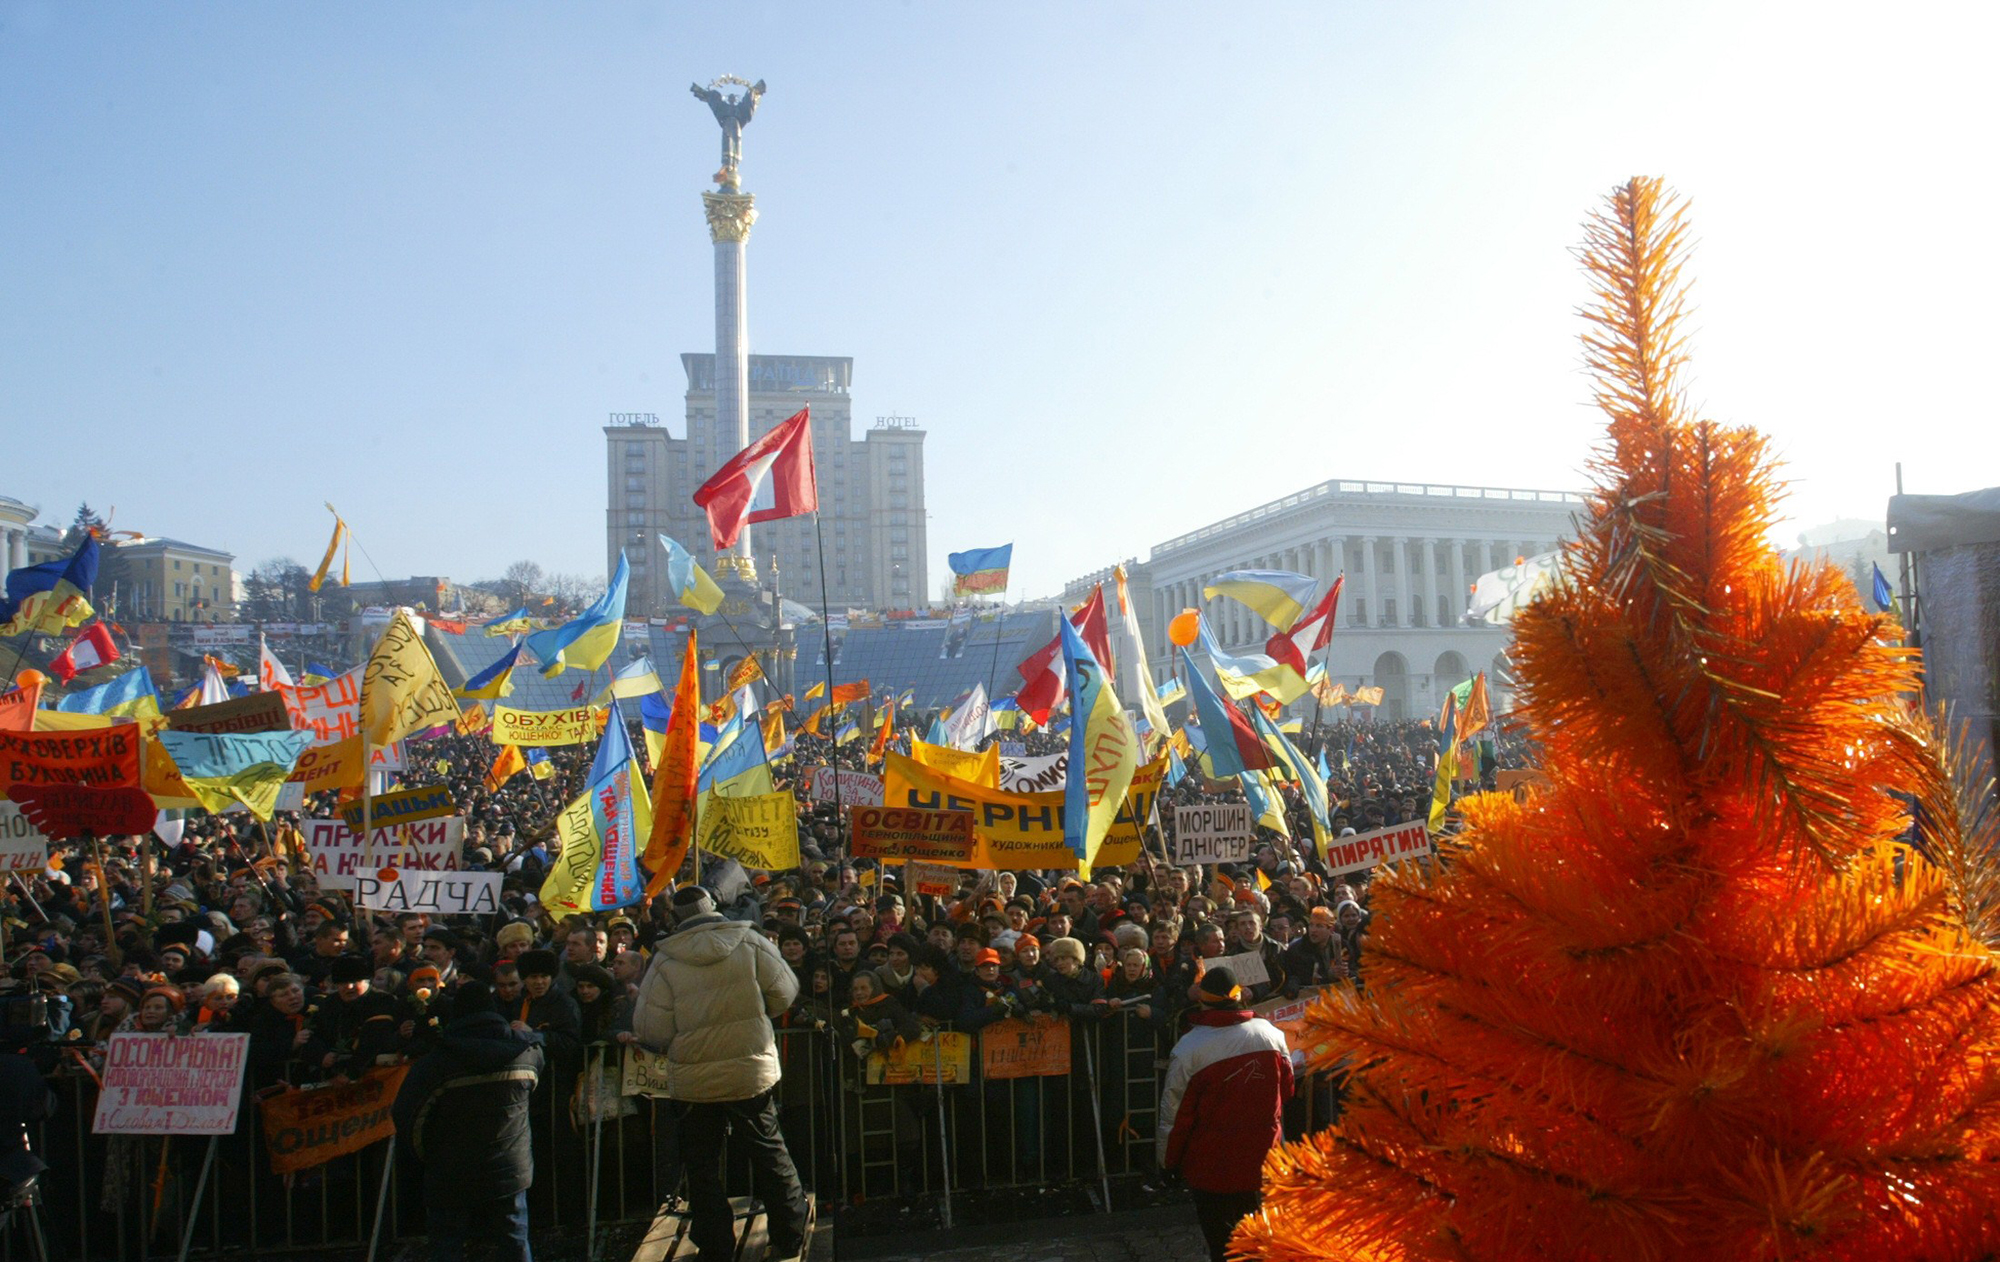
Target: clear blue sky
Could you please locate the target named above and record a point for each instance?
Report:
(1133, 266)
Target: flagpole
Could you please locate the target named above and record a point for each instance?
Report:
(826, 638)
(999, 624)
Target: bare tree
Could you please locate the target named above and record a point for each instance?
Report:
(574, 591)
(521, 581)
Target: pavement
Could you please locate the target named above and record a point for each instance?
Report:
(1151, 1235)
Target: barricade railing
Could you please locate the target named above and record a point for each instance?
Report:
(1020, 1104)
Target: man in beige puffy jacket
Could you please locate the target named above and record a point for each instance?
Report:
(706, 1002)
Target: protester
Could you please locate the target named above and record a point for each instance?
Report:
(1221, 1109)
(705, 1002)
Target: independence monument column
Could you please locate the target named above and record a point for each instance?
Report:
(731, 211)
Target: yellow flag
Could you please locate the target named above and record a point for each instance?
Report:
(758, 832)
(402, 692)
(326, 562)
(745, 672)
(981, 769)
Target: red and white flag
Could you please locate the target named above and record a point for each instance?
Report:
(1309, 634)
(770, 479)
(91, 648)
(271, 673)
(1044, 684)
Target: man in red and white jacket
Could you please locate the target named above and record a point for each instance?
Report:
(1229, 1078)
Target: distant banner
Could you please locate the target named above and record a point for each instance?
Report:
(1212, 832)
(942, 1058)
(22, 846)
(238, 716)
(1384, 845)
(405, 806)
(213, 637)
(164, 1084)
(1024, 1049)
(330, 711)
(857, 788)
(1289, 1016)
(759, 832)
(438, 893)
(573, 726)
(335, 853)
(310, 1126)
(888, 832)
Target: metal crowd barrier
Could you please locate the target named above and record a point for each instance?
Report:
(602, 1158)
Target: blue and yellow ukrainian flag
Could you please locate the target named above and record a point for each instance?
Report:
(132, 695)
(515, 623)
(689, 583)
(585, 641)
(52, 597)
(495, 682)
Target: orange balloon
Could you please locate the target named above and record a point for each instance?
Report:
(30, 677)
(386, 875)
(1185, 627)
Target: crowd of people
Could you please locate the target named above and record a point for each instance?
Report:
(235, 934)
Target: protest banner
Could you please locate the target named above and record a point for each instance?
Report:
(1289, 1016)
(889, 832)
(336, 855)
(215, 637)
(930, 878)
(942, 1058)
(857, 788)
(23, 848)
(100, 758)
(1248, 968)
(258, 712)
(1018, 830)
(330, 711)
(982, 768)
(645, 1072)
(758, 832)
(310, 1126)
(573, 726)
(335, 766)
(439, 893)
(165, 1084)
(1045, 774)
(68, 811)
(1024, 1049)
(405, 806)
(1383, 845)
(1212, 832)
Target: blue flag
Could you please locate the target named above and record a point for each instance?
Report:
(1884, 598)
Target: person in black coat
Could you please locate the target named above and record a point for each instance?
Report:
(355, 1024)
(464, 1111)
(1316, 960)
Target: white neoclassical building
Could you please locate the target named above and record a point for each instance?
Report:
(15, 520)
(1411, 552)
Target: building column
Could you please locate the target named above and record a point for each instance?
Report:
(730, 216)
(1401, 559)
(1371, 585)
(1485, 547)
(1460, 597)
(1424, 606)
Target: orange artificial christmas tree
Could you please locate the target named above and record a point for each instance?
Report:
(1691, 1000)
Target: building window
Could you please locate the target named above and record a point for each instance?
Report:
(1389, 612)
(1359, 616)
(177, 564)
(899, 500)
(635, 483)
(1444, 611)
(635, 519)
(635, 501)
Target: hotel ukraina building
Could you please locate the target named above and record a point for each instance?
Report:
(1411, 552)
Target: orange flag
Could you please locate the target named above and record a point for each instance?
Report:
(843, 693)
(506, 764)
(675, 778)
(882, 735)
(18, 705)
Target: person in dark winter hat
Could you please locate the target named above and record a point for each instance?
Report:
(549, 1012)
(356, 1023)
(1224, 1099)
(464, 1111)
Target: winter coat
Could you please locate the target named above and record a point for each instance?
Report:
(1075, 996)
(1308, 965)
(1223, 1105)
(706, 1001)
(464, 1109)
